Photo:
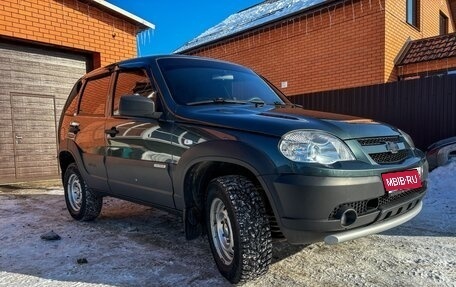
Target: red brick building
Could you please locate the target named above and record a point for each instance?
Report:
(45, 46)
(315, 45)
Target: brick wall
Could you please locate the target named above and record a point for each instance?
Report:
(70, 24)
(322, 50)
(398, 31)
(416, 69)
(344, 45)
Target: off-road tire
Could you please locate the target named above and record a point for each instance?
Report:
(85, 206)
(251, 234)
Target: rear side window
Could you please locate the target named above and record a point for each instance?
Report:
(72, 106)
(132, 82)
(94, 96)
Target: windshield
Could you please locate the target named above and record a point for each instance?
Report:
(194, 82)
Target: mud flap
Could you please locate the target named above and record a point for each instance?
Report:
(192, 223)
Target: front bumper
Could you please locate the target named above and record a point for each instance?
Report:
(374, 228)
(307, 206)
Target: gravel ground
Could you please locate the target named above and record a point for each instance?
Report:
(134, 245)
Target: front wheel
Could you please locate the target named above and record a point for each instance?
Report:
(82, 203)
(238, 229)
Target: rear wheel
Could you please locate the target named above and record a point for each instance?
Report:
(237, 228)
(82, 203)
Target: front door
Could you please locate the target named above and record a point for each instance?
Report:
(137, 161)
(137, 154)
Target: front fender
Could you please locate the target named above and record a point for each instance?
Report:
(233, 152)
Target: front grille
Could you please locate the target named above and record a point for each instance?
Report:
(379, 140)
(365, 206)
(388, 157)
(387, 198)
(384, 157)
(359, 206)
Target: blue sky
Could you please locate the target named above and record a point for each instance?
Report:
(177, 22)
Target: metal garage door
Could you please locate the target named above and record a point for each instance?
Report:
(34, 84)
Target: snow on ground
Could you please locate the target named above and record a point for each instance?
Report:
(133, 245)
(440, 204)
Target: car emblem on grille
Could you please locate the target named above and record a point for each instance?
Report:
(392, 147)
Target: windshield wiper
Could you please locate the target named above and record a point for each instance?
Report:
(216, 101)
(282, 104)
(257, 102)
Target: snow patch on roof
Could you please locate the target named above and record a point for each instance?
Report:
(254, 16)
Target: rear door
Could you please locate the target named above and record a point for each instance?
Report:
(138, 149)
(88, 126)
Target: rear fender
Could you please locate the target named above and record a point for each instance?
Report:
(94, 182)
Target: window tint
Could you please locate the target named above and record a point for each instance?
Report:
(443, 24)
(94, 96)
(72, 106)
(132, 82)
(191, 81)
(412, 12)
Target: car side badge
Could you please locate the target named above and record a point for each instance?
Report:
(160, 165)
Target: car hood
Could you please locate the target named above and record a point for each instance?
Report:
(278, 120)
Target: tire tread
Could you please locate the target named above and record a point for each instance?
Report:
(254, 229)
(92, 202)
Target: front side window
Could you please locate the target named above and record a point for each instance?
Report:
(412, 12)
(94, 96)
(133, 82)
(193, 82)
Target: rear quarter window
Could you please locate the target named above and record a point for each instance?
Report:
(71, 106)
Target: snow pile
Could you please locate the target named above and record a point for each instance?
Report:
(254, 16)
(442, 180)
(439, 211)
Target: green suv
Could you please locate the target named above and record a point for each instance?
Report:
(221, 146)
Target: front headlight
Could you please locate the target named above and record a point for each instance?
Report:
(314, 147)
(407, 138)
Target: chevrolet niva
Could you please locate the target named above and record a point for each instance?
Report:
(221, 146)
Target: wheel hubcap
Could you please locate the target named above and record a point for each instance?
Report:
(221, 231)
(74, 192)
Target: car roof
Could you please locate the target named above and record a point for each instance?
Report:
(147, 60)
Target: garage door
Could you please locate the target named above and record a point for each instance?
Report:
(34, 84)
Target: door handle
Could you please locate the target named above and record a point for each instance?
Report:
(18, 139)
(112, 131)
(74, 127)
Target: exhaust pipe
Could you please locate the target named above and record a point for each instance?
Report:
(346, 215)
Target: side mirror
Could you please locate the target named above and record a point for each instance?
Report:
(137, 106)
